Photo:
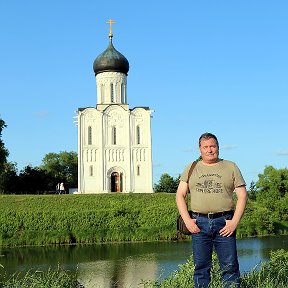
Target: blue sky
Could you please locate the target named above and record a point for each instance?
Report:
(216, 66)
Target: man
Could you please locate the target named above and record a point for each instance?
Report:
(62, 188)
(58, 188)
(214, 222)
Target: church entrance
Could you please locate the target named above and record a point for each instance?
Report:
(116, 182)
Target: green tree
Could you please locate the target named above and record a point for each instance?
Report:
(33, 180)
(167, 184)
(62, 167)
(3, 151)
(252, 191)
(273, 182)
(9, 179)
(272, 188)
(3, 154)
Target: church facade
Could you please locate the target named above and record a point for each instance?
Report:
(114, 141)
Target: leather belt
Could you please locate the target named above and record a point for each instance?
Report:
(213, 215)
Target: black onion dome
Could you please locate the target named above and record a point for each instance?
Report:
(111, 60)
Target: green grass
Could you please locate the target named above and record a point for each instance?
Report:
(111, 217)
(40, 279)
(270, 274)
(65, 219)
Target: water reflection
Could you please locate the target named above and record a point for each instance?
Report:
(126, 264)
(253, 251)
(126, 273)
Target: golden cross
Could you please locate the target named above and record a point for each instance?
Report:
(110, 22)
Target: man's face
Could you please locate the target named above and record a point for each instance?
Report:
(209, 150)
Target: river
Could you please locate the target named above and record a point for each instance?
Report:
(127, 264)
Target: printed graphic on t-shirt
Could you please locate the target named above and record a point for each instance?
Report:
(209, 183)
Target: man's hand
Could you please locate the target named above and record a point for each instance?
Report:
(228, 229)
(192, 226)
(232, 224)
(181, 195)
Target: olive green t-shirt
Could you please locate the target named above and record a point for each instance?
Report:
(212, 187)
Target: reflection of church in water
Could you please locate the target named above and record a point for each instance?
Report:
(114, 142)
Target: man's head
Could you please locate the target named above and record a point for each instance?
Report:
(209, 148)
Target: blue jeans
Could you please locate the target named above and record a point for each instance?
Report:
(225, 247)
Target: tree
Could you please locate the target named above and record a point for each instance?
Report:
(3, 155)
(9, 178)
(252, 191)
(272, 188)
(3, 151)
(167, 184)
(273, 182)
(33, 180)
(62, 167)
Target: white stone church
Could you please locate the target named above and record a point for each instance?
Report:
(114, 141)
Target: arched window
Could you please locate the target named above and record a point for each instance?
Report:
(138, 134)
(91, 170)
(89, 135)
(138, 170)
(114, 135)
(102, 93)
(123, 100)
(112, 92)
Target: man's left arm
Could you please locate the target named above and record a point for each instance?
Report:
(232, 224)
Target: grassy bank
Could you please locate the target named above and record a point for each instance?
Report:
(66, 219)
(269, 275)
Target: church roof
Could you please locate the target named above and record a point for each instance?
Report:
(111, 60)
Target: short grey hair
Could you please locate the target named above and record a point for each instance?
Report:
(207, 136)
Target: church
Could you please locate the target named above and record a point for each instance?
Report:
(114, 141)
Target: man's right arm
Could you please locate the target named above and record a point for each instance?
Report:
(181, 194)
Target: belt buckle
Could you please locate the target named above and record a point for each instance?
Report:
(210, 215)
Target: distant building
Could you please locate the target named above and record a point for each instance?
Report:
(114, 142)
